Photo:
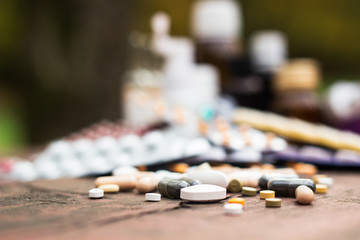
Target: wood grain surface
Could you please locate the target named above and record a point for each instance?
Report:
(61, 209)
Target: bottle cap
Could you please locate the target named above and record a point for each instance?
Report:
(298, 74)
(216, 19)
(268, 50)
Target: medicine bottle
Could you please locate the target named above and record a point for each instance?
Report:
(268, 51)
(217, 26)
(294, 86)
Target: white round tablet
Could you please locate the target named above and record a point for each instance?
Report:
(96, 193)
(233, 208)
(153, 197)
(203, 193)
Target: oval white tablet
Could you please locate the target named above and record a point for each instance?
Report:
(209, 177)
(203, 193)
(96, 193)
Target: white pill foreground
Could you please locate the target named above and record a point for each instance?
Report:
(209, 177)
(233, 208)
(203, 193)
(153, 197)
(326, 181)
(96, 193)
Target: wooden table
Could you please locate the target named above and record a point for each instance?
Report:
(61, 209)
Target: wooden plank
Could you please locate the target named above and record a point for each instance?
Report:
(61, 209)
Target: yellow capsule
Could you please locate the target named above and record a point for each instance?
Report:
(321, 188)
(110, 188)
(267, 194)
(126, 182)
(237, 200)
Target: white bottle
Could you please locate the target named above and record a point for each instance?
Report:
(268, 50)
(186, 84)
(216, 19)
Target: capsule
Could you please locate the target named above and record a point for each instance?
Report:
(190, 181)
(171, 187)
(287, 187)
(263, 181)
(147, 184)
(126, 182)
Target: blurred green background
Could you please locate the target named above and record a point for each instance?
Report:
(61, 62)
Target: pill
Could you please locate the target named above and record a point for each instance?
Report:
(273, 202)
(23, 171)
(126, 182)
(203, 193)
(233, 209)
(209, 177)
(142, 174)
(179, 167)
(204, 166)
(263, 181)
(287, 187)
(305, 169)
(171, 187)
(160, 174)
(141, 168)
(153, 197)
(248, 191)
(326, 181)
(234, 186)
(226, 168)
(267, 166)
(267, 194)
(147, 184)
(96, 193)
(286, 170)
(316, 177)
(304, 195)
(248, 178)
(321, 188)
(110, 188)
(190, 181)
(237, 200)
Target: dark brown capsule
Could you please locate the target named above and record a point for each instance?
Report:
(287, 187)
(171, 187)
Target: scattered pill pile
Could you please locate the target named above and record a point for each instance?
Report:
(204, 183)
